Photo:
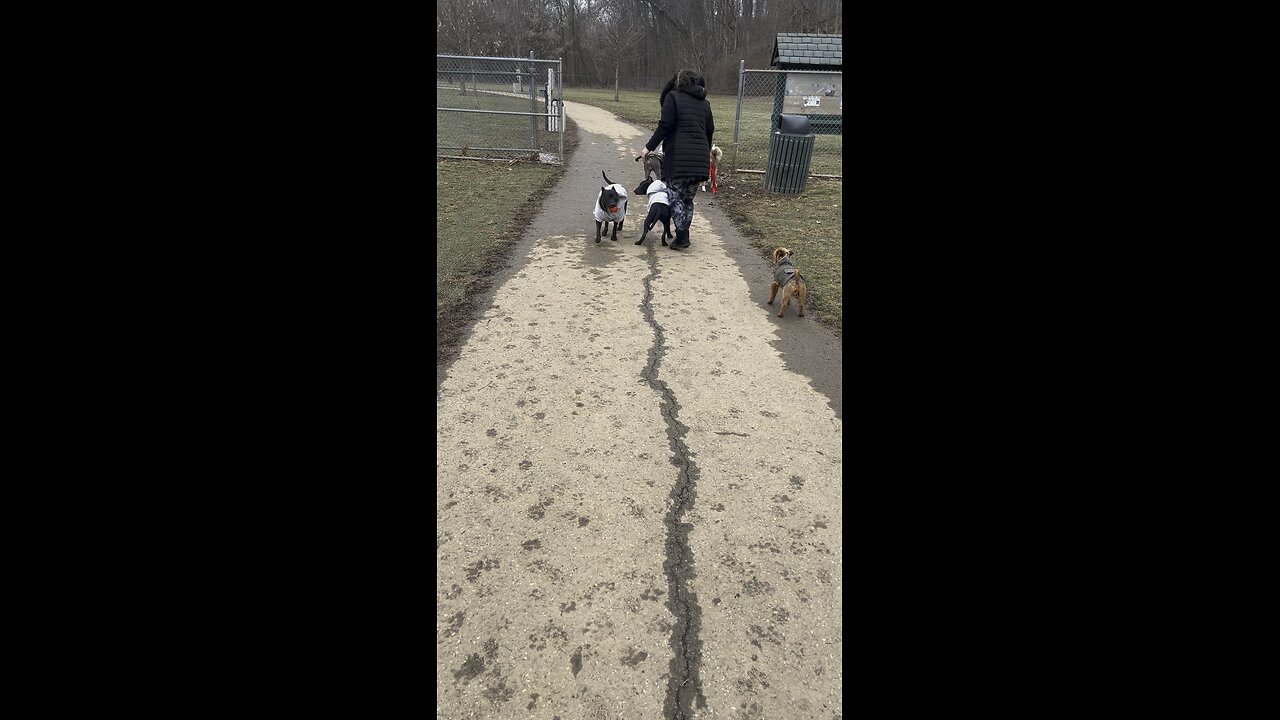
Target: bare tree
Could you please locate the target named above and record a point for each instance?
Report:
(618, 35)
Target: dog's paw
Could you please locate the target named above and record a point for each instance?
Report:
(664, 243)
(597, 239)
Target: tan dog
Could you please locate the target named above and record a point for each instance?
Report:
(786, 276)
(716, 154)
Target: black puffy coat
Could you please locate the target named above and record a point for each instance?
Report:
(685, 130)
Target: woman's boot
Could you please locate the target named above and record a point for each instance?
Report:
(682, 240)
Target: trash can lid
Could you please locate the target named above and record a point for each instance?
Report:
(793, 124)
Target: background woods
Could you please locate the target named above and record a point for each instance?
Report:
(635, 43)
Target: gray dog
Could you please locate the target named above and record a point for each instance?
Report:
(652, 165)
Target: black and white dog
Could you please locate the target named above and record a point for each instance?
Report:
(611, 206)
(659, 208)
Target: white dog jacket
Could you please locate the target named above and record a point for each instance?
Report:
(620, 215)
(657, 194)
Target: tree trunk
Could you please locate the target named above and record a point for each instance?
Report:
(615, 81)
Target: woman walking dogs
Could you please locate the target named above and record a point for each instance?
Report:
(685, 132)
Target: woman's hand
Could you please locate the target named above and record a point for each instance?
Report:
(644, 153)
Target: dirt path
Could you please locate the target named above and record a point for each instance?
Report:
(638, 477)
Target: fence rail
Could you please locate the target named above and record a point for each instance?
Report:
(765, 94)
(491, 108)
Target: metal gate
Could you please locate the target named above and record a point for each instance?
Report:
(489, 108)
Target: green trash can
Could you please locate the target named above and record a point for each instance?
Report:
(790, 152)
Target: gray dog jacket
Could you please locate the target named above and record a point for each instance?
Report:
(784, 272)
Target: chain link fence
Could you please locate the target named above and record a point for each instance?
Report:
(764, 94)
(499, 108)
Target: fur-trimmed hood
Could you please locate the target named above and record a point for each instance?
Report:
(699, 86)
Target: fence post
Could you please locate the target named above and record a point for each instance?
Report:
(533, 104)
(742, 74)
(560, 96)
(779, 92)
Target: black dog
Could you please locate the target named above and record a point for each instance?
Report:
(659, 208)
(611, 205)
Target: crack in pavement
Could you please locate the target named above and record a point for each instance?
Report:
(684, 688)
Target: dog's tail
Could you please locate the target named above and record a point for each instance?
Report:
(607, 181)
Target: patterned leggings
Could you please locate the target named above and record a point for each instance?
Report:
(681, 193)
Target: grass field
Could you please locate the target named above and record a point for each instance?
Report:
(471, 245)
(641, 107)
